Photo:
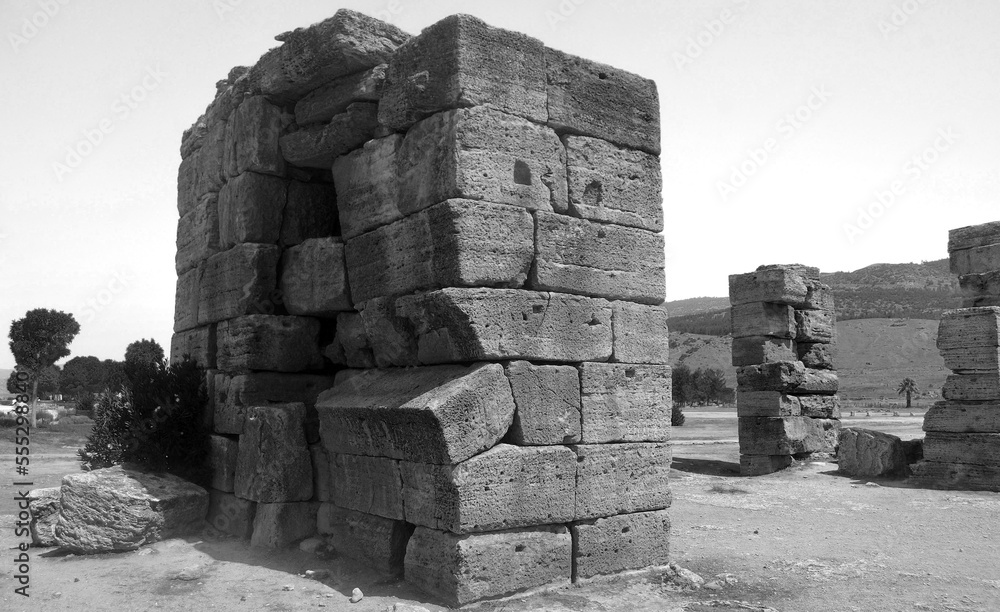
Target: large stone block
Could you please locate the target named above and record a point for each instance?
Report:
(793, 284)
(618, 543)
(969, 327)
(199, 343)
(198, 234)
(593, 99)
(763, 319)
(252, 139)
(817, 355)
(459, 569)
(613, 184)
(391, 337)
(443, 414)
(372, 485)
(786, 377)
(313, 278)
(239, 281)
(621, 478)
(961, 476)
(146, 508)
(318, 145)
(481, 154)
(273, 463)
(269, 342)
(350, 346)
(323, 103)
(250, 207)
(972, 359)
(814, 326)
(377, 542)
(192, 185)
(504, 487)
(278, 525)
(457, 243)
(461, 62)
(368, 186)
(598, 259)
(222, 456)
(755, 350)
(865, 453)
(790, 435)
(235, 394)
(230, 514)
(310, 212)
(972, 387)
(759, 465)
(548, 404)
(973, 236)
(820, 406)
(43, 505)
(969, 448)
(625, 402)
(766, 404)
(640, 333)
(186, 299)
(976, 260)
(959, 417)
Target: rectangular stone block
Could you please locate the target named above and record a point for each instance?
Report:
(504, 487)
(973, 236)
(273, 462)
(865, 453)
(973, 359)
(481, 154)
(982, 300)
(377, 542)
(961, 417)
(755, 350)
(786, 377)
(222, 453)
(313, 278)
(547, 399)
(969, 327)
(625, 402)
(640, 333)
(278, 525)
(795, 285)
(759, 465)
(975, 260)
(593, 99)
(350, 346)
(250, 207)
(230, 514)
(613, 184)
(619, 543)
(763, 319)
(816, 355)
(972, 387)
(372, 485)
(442, 414)
(331, 99)
(198, 234)
(960, 476)
(269, 342)
(461, 61)
(457, 243)
(814, 326)
(968, 448)
(192, 185)
(318, 145)
(199, 343)
(391, 336)
(820, 406)
(235, 394)
(766, 404)
(237, 282)
(368, 186)
(186, 299)
(460, 569)
(310, 212)
(621, 478)
(252, 135)
(980, 289)
(787, 435)
(597, 259)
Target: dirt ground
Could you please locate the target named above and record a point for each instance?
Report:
(803, 540)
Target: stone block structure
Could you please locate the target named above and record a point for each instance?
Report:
(426, 275)
(962, 443)
(783, 327)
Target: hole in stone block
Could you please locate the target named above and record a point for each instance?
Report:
(601, 233)
(593, 321)
(593, 193)
(625, 529)
(537, 308)
(629, 372)
(519, 548)
(522, 173)
(602, 75)
(524, 316)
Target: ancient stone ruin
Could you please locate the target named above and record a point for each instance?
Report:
(786, 395)
(427, 277)
(962, 445)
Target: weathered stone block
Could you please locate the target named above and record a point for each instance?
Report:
(323, 103)
(350, 345)
(792, 284)
(314, 278)
(755, 350)
(969, 448)
(959, 417)
(481, 154)
(548, 404)
(43, 504)
(640, 333)
(787, 435)
(379, 543)
(198, 234)
(766, 404)
(252, 139)
(372, 485)
(618, 543)
(250, 207)
(972, 359)
(763, 319)
(230, 514)
(976, 260)
(460, 569)
(277, 525)
(368, 186)
(962, 476)
(186, 300)
(625, 402)
(504, 487)
(235, 394)
(192, 185)
(870, 454)
(317, 146)
(817, 355)
(442, 414)
(199, 343)
(237, 282)
(814, 326)
(273, 463)
(269, 342)
(594, 99)
(597, 259)
(978, 301)
(759, 465)
(310, 212)
(222, 455)
(969, 327)
(820, 406)
(392, 338)
(973, 236)
(455, 243)
(972, 387)
(621, 478)
(787, 377)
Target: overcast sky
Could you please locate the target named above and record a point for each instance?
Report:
(832, 133)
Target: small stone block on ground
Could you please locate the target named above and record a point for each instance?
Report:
(864, 453)
(619, 543)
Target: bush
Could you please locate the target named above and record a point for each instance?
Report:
(86, 403)
(8, 420)
(676, 416)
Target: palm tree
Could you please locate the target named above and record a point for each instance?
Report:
(908, 386)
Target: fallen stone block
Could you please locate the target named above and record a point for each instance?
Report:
(481, 154)
(816, 355)
(222, 456)
(619, 543)
(368, 186)
(323, 103)
(814, 326)
(230, 514)
(792, 284)
(960, 417)
(786, 377)
(593, 99)
(787, 435)
(613, 184)
(273, 462)
(317, 146)
(235, 394)
(250, 207)
(621, 478)
(763, 319)
(956, 476)
(350, 346)
(186, 300)
(759, 465)
(313, 278)
(460, 569)
(237, 282)
(968, 448)
(755, 350)
(975, 260)
(597, 259)
(972, 387)
(864, 453)
(973, 236)
(279, 525)
(377, 542)
(443, 414)
(372, 485)
(43, 505)
(766, 404)
(252, 139)
(625, 402)
(640, 333)
(967, 328)
(820, 406)
(547, 398)
(199, 343)
(504, 487)
(117, 508)
(269, 342)
(310, 212)
(198, 234)
(457, 243)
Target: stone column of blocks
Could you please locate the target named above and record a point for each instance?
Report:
(962, 445)
(783, 327)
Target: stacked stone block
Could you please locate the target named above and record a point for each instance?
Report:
(431, 297)
(783, 327)
(962, 444)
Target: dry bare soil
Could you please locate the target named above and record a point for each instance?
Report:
(804, 540)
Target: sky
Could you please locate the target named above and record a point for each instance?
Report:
(836, 133)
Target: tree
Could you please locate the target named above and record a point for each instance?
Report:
(48, 381)
(909, 387)
(37, 341)
(83, 375)
(144, 351)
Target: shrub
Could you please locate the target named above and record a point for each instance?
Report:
(8, 420)
(86, 403)
(676, 416)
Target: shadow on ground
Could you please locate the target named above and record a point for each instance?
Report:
(709, 467)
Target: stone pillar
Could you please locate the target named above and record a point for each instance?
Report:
(962, 445)
(783, 327)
